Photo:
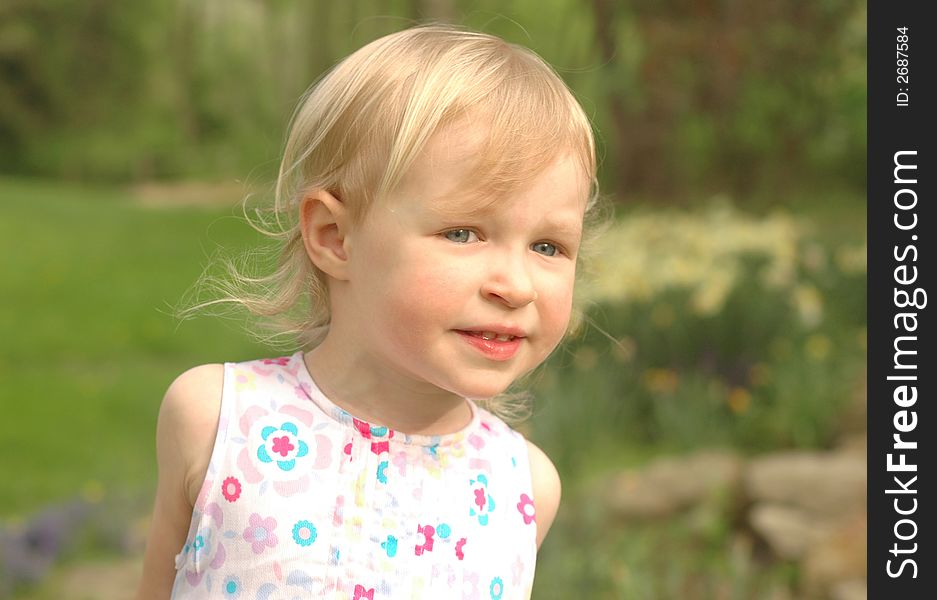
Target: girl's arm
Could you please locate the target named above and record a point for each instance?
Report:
(185, 435)
(547, 490)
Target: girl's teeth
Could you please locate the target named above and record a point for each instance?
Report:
(489, 335)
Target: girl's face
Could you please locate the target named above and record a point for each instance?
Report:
(429, 281)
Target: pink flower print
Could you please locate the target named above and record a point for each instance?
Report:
(427, 546)
(483, 502)
(338, 514)
(363, 427)
(517, 569)
(361, 593)
(458, 549)
(476, 441)
(259, 533)
(302, 391)
(268, 366)
(203, 553)
(527, 510)
(400, 461)
(282, 446)
(231, 489)
(470, 586)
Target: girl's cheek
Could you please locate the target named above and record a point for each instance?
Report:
(558, 302)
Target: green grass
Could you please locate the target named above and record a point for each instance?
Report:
(87, 346)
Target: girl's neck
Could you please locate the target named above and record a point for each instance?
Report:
(386, 397)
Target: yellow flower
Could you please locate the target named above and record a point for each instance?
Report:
(809, 305)
(245, 380)
(661, 381)
(852, 259)
(817, 347)
(759, 374)
(739, 400)
(814, 257)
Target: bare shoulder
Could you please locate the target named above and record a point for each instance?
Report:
(188, 423)
(185, 436)
(547, 489)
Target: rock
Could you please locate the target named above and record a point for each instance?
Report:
(837, 559)
(789, 531)
(819, 483)
(668, 485)
(854, 589)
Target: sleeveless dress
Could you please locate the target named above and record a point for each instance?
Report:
(303, 500)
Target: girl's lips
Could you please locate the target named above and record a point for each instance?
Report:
(494, 349)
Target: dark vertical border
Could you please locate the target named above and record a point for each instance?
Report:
(901, 271)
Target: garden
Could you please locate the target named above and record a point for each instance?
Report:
(719, 365)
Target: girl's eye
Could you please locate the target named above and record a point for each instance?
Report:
(461, 236)
(545, 248)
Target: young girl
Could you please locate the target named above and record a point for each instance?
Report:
(432, 197)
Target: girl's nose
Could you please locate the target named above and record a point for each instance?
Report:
(509, 281)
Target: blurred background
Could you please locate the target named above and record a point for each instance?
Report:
(709, 427)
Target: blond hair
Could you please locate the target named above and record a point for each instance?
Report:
(357, 131)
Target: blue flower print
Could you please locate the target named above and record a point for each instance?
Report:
(382, 471)
(390, 546)
(496, 589)
(231, 587)
(282, 444)
(304, 533)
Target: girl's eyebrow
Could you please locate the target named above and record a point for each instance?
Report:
(455, 211)
(573, 228)
(454, 207)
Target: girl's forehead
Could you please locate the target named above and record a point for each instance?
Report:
(447, 196)
(447, 177)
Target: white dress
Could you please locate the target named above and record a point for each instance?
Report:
(302, 500)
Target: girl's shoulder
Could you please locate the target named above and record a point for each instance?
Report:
(546, 489)
(185, 432)
(188, 424)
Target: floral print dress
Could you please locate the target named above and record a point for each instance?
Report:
(302, 500)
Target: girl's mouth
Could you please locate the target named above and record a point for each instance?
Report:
(493, 346)
(491, 335)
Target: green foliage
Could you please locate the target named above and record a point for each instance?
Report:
(714, 96)
(772, 364)
(688, 556)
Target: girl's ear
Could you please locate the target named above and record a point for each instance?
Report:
(324, 224)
